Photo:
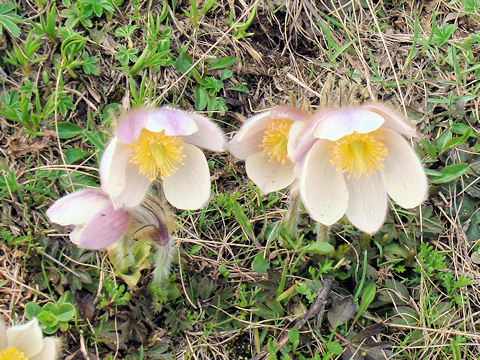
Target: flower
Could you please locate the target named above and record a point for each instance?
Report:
(160, 143)
(26, 341)
(262, 143)
(97, 223)
(351, 158)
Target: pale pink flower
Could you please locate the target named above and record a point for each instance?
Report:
(262, 142)
(351, 158)
(97, 223)
(160, 143)
(26, 342)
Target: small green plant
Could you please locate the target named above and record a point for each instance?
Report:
(26, 57)
(112, 295)
(8, 19)
(53, 316)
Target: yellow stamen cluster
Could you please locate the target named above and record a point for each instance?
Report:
(275, 139)
(157, 154)
(358, 154)
(12, 353)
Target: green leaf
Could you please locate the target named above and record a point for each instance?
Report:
(450, 172)
(47, 319)
(241, 88)
(226, 74)
(318, 248)
(335, 348)
(456, 140)
(74, 154)
(201, 98)
(223, 63)
(65, 312)
(293, 336)
(259, 264)
(243, 220)
(67, 130)
(367, 298)
(32, 309)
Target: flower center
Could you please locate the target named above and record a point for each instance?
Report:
(358, 154)
(12, 354)
(157, 154)
(275, 139)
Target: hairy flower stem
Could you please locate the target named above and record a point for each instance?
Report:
(322, 232)
(289, 224)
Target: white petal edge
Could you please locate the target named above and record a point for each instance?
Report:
(135, 189)
(322, 187)
(3, 335)
(269, 175)
(403, 174)
(367, 202)
(27, 338)
(209, 135)
(77, 208)
(334, 125)
(394, 120)
(189, 187)
(49, 351)
(174, 122)
(113, 166)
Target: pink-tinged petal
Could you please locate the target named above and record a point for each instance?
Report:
(403, 174)
(247, 140)
(288, 112)
(189, 187)
(367, 202)
(130, 125)
(393, 119)
(135, 189)
(322, 187)
(335, 124)
(113, 165)
(209, 135)
(174, 122)
(75, 233)
(3, 335)
(269, 175)
(107, 226)
(49, 351)
(77, 207)
(300, 140)
(27, 338)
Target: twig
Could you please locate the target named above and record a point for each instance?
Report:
(318, 308)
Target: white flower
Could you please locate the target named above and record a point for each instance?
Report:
(262, 142)
(351, 158)
(26, 341)
(160, 143)
(97, 223)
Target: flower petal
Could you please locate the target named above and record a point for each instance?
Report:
(113, 166)
(103, 229)
(208, 136)
(189, 187)
(174, 122)
(301, 139)
(27, 338)
(49, 351)
(367, 202)
(393, 119)
(269, 175)
(403, 175)
(245, 143)
(322, 187)
(77, 207)
(335, 124)
(130, 125)
(135, 190)
(3, 335)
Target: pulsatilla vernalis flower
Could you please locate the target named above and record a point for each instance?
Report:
(26, 341)
(160, 143)
(97, 223)
(351, 158)
(262, 142)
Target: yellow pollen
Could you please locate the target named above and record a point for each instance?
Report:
(358, 154)
(157, 154)
(12, 353)
(275, 139)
